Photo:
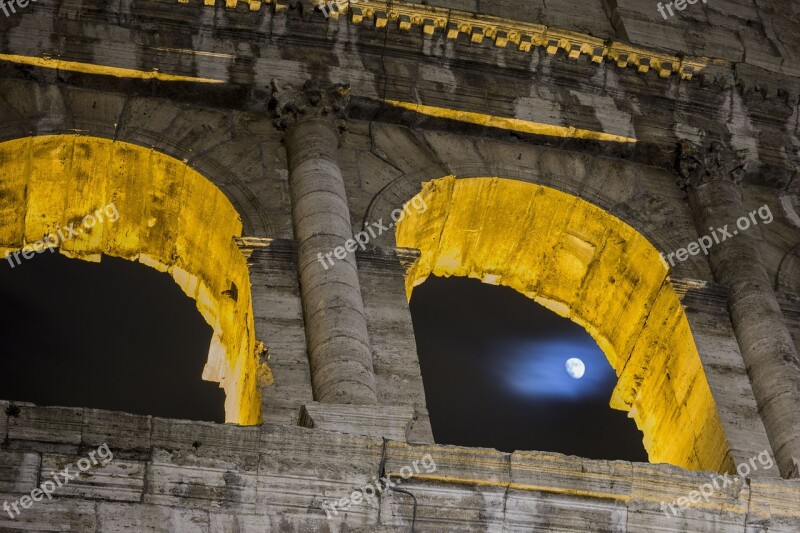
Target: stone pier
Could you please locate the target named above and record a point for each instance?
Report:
(336, 330)
(711, 176)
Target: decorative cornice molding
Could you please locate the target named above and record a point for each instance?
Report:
(314, 100)
(254, 5)
(501, 31)
(699, 164)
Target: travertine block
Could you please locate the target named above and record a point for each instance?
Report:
(65, 514)
(57, 428)
(19, 471)
(123, 518)
(125, 434)
(117, 480)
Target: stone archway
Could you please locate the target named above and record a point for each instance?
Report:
(169, 217)
(585, 264)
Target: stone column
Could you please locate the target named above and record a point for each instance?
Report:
(336, 331)
(711, 176)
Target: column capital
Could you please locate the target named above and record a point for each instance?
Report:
(315, 99)
(698, 164)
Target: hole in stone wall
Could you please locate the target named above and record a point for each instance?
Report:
(496, 374)
(232, 292)
(114, 335)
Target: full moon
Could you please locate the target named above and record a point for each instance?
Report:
(575, 367)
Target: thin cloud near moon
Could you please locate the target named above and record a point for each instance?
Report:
(539, 370)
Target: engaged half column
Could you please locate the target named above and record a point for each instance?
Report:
(339, 351)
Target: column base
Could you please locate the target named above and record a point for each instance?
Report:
(387, 421)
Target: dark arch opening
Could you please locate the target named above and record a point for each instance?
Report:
(113, 335)
(494, 369)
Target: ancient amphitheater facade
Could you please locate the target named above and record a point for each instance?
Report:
(614, 164)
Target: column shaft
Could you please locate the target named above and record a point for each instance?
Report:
(765, 341)
(336, 330)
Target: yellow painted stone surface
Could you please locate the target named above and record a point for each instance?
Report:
(511, 124)
(585, 264)
(170, 218)
(101, 70)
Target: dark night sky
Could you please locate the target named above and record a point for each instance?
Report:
(493, 366)
(115, 335)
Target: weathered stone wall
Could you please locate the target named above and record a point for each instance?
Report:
(726, 373)
(279, 318)
(731, 98)
(178, 476)
(249, 166)
(394, 348)
(392, 163)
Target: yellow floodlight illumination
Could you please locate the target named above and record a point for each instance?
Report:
(585, 264)
(170, 218)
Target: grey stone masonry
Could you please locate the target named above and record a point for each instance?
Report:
(336, 329)
(711, 175)
(462, 88)
(201, 477)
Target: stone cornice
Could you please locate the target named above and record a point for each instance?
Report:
(522, 35)
(502, 32)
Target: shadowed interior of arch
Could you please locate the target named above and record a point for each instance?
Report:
(495, 360)
(585, 264)
(113, 335)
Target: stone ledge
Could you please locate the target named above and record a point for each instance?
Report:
(127, 434)
(299, 467)
(369, 420)
(55, 429)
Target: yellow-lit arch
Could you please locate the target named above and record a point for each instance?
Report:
(170, 218)
(585, 264)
